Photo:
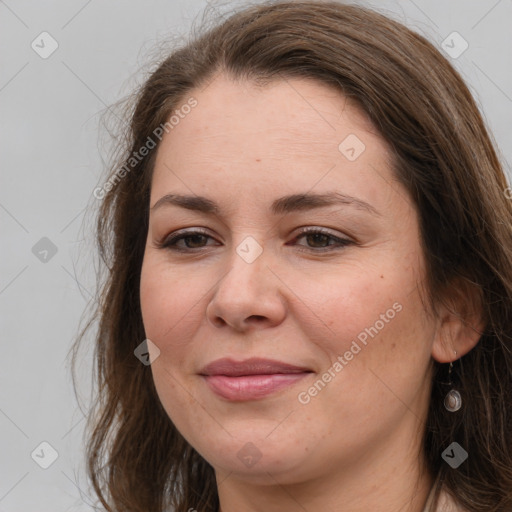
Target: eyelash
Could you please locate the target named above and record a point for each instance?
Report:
(170, 243)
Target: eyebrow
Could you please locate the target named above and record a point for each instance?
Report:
(286, 204)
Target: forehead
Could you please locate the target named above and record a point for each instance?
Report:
(296, 108)
(290, 132)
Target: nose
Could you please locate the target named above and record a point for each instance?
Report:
(248, 296)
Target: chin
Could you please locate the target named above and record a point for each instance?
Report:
(259, 455)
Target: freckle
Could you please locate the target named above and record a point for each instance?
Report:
(382, 277)
(393, 345)
(258, 159)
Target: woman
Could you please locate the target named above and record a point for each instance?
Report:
(309, 244)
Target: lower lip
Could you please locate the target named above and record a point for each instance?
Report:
(251, 387)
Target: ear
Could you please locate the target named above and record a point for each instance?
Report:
(460, 321)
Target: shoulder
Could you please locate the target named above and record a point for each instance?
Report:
(447, 504)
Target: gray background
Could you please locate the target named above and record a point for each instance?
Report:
(51, 162)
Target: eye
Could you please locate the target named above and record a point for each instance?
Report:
(319, 240)
(192, 240)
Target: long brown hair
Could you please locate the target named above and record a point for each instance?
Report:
(443, 155)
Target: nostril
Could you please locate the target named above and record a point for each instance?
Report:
(258, 318)
(220, 322)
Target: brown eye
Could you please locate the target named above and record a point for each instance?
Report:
(318, 240)
(195, 240)
(191, 240)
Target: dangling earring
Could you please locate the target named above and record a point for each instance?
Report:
(452, 400)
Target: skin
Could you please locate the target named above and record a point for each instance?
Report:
(356, 445)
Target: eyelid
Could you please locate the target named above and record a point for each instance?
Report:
(341, 241)
(170, 241)
(180, 234)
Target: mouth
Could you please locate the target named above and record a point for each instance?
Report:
(251, 379)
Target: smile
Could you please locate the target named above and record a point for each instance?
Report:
(251, 379)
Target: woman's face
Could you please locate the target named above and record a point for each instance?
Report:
(342, 306)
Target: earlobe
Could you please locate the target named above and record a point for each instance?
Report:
(460, 323)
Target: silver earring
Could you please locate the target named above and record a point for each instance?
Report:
(452, 400)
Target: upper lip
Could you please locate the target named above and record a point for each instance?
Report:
(253, 366)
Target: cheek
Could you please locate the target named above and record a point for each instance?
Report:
(169, 317)
(372, 318)
(167, 300)
(337, 308)
(378, 357)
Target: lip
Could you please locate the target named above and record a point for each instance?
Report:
(250, 379)
(252, 366)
